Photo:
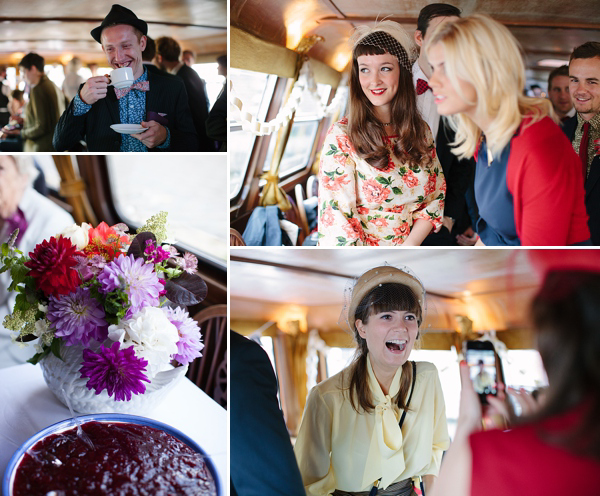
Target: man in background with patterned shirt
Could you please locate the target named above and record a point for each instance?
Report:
(158, 103)
(584, 128)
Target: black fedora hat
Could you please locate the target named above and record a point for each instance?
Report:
(119, 15)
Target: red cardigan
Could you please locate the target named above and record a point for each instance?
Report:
(544, 177)
(518, 462)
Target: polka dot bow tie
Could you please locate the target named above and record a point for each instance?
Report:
(422, 86)
(142, 86)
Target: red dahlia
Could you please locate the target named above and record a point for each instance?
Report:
(51, 264)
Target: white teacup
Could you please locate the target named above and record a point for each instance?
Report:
(122, 77)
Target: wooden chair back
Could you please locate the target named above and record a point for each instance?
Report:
(209, 372)
(235, 238)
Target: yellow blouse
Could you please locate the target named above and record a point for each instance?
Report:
(338, 448)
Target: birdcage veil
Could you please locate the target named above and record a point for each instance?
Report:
(383, 288)
(389, 36)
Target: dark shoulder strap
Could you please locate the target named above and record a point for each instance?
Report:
(414, 378)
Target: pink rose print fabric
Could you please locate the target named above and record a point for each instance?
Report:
(361, 205)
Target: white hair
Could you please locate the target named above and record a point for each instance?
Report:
(25, 167)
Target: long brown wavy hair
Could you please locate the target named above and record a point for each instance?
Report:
(383, 298)
(367, 133)
(566, 318)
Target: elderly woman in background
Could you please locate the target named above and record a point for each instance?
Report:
(37, 218)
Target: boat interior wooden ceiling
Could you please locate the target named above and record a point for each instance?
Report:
(546, 29)
(498, 283)
(60, 29)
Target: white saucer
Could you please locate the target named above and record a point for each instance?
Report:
(128, 128)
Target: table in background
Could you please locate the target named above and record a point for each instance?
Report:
(27, 406)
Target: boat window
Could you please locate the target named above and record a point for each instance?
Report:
(212, 80)
(255, 89)
(192, 195)
(304, 130)
(46, 163)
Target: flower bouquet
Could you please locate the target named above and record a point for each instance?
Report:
(108, 311)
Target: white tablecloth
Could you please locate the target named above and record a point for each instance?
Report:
(27, 406)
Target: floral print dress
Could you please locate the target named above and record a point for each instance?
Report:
(362, 205)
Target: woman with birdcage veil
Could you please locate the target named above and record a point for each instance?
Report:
(381, 421)
(380, 182)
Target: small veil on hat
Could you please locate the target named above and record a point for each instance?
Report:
(377, 276)
(389, 36)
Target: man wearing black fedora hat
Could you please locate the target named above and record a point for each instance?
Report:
(159, 103)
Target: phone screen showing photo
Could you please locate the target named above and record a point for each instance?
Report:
(482, 369)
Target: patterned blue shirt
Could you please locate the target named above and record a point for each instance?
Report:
(132, 110)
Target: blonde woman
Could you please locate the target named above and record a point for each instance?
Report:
(528, 182)
(381, 421)
(380, 182)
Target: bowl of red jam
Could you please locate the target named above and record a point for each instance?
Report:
(128, 455)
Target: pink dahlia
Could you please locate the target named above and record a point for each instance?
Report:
(189, 344)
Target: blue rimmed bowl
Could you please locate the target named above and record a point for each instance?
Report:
(64, 425)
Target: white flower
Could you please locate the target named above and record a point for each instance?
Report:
(152, 336)
(78, 235)
(41, 326)
(42, 308)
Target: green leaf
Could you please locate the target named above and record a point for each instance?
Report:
(383, 180)
(362, 176)
(38, 356)
(396, 190)
(387, 238)
(55, 348)
(4, 249)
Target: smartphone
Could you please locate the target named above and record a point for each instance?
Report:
(481, 358)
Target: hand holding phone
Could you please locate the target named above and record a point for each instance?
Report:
(481, 359)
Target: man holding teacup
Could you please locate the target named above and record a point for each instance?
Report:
(131, 96)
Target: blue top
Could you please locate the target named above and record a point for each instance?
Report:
(496, 224)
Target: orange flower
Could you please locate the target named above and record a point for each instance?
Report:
(354, 230)
(105, 241)
(344, 143)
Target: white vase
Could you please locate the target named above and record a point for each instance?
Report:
(64, 375)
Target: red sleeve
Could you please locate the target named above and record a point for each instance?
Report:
(544, 177)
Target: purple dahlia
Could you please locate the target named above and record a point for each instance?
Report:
(119, 371)
(77, 317)
(189, 344)
(133, 276)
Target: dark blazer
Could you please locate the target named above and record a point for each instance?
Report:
(198, 104)
(262, 461)
(458, 178)
(592, 185)
(167, 95)
(216, 124)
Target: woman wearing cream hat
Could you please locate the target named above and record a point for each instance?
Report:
(380, 422)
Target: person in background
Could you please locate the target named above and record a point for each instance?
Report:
(157, 103)
(536, 90)
(46, 103)
(72, 80)
(458, 173)
(16, 105)
(558, 93)
(528, 186)
(583, 129)
(381, 422)
(380, 182)
(148, 55)
(262, 458)
(4, 96)
(554, 449)
(216, 124)
(167, 58)
(188, 58)
(37, 218)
